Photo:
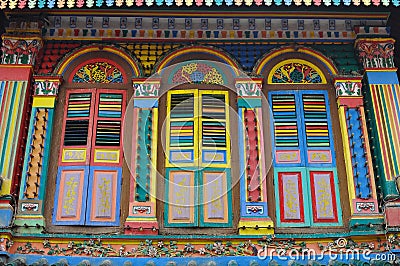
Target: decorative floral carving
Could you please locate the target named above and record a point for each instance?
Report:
(296, 73)
(20, 51)
(348, 88)
(146, 89)
(248, 89)
(376, 54)
(46, 87)
(96, 248)
(365, 206)
(198, 73)
(99, 72)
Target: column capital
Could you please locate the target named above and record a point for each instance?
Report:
(20, 50)
(348, 86)
(146, 87)
(376, 53)
(248, 86)
(46, 85)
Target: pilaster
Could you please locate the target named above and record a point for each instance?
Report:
(19, 53)
(383, 117)
(142, 218)
(254, 218)
(30, 217)
(357, 154)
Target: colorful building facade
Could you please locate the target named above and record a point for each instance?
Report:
(205, 133)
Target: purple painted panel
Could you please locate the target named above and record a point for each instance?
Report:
(323, 196)
(103, 195)
(214, 189)
(181, 196)
(71, 194)
(291, 195)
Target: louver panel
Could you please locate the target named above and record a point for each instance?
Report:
(182, 134)
(316, 122)
(77, 127)
(213, 106)
(285, 125)
(286, 132)
(214, 134)
(110, 110)
(108, 133)
(76, 132)
(182, 127)
(110, 105)
(79, 105)
(182, 105)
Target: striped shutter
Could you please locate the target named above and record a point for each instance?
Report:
(287, 136)
(304, 159)
(214, 129)
(90, 168)
(182, 126)
(77, 128)
(107, 132)
(318, 142)
(198, 159)
(214, 176)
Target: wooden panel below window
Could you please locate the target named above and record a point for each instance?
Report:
(70, 194)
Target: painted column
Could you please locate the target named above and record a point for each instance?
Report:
(143, 164)
(30, 216)
(19, 55)
(357, 154)
(254, 219)
(382, 97)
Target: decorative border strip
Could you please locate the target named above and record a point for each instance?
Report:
(22, 4)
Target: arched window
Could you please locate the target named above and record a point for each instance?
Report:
(87, 138)
(305, 174)
(196, 161)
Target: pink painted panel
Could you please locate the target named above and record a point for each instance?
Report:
(285, 156)
(318, 156)
(181, 197)
(70, 194)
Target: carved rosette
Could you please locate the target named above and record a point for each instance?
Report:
(376, 53)
(20, 50)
